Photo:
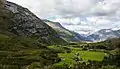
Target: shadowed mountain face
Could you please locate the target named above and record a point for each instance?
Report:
(5, 16)
(104, 34)
(24, 39)
(1, 3)
(64, 33)
(25, 23)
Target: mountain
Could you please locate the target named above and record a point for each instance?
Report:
(104, 34)
(24, 39)
(118, 33)
(64, 33)
(25, 23)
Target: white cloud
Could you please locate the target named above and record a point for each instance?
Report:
(82, 16)
(59, 8)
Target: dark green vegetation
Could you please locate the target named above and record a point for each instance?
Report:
(18, 53)
(22, 52)
(101, 55)
(33, 52)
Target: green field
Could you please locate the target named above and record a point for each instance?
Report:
(85, 55)
(68, 58)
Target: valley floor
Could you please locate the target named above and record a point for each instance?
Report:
(27, 53)
(81, 56)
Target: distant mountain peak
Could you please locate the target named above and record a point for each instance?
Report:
(104, 34)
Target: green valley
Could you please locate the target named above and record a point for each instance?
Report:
(27, 42)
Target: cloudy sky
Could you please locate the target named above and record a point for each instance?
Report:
(82, 16)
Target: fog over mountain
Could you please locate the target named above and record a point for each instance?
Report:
(88, 17)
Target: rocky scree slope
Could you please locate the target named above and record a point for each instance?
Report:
(28, 24)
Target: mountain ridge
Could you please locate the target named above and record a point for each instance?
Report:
(69, 36)
(98, 36)
(104, 34)
(28, 24)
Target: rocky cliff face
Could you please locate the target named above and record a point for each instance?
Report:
(25, 23)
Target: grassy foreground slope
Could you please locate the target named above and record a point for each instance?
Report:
(21, 53)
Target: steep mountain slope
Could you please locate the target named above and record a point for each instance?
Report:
(27, 24)
(19, 50)
(104, 34)
(64, 33)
